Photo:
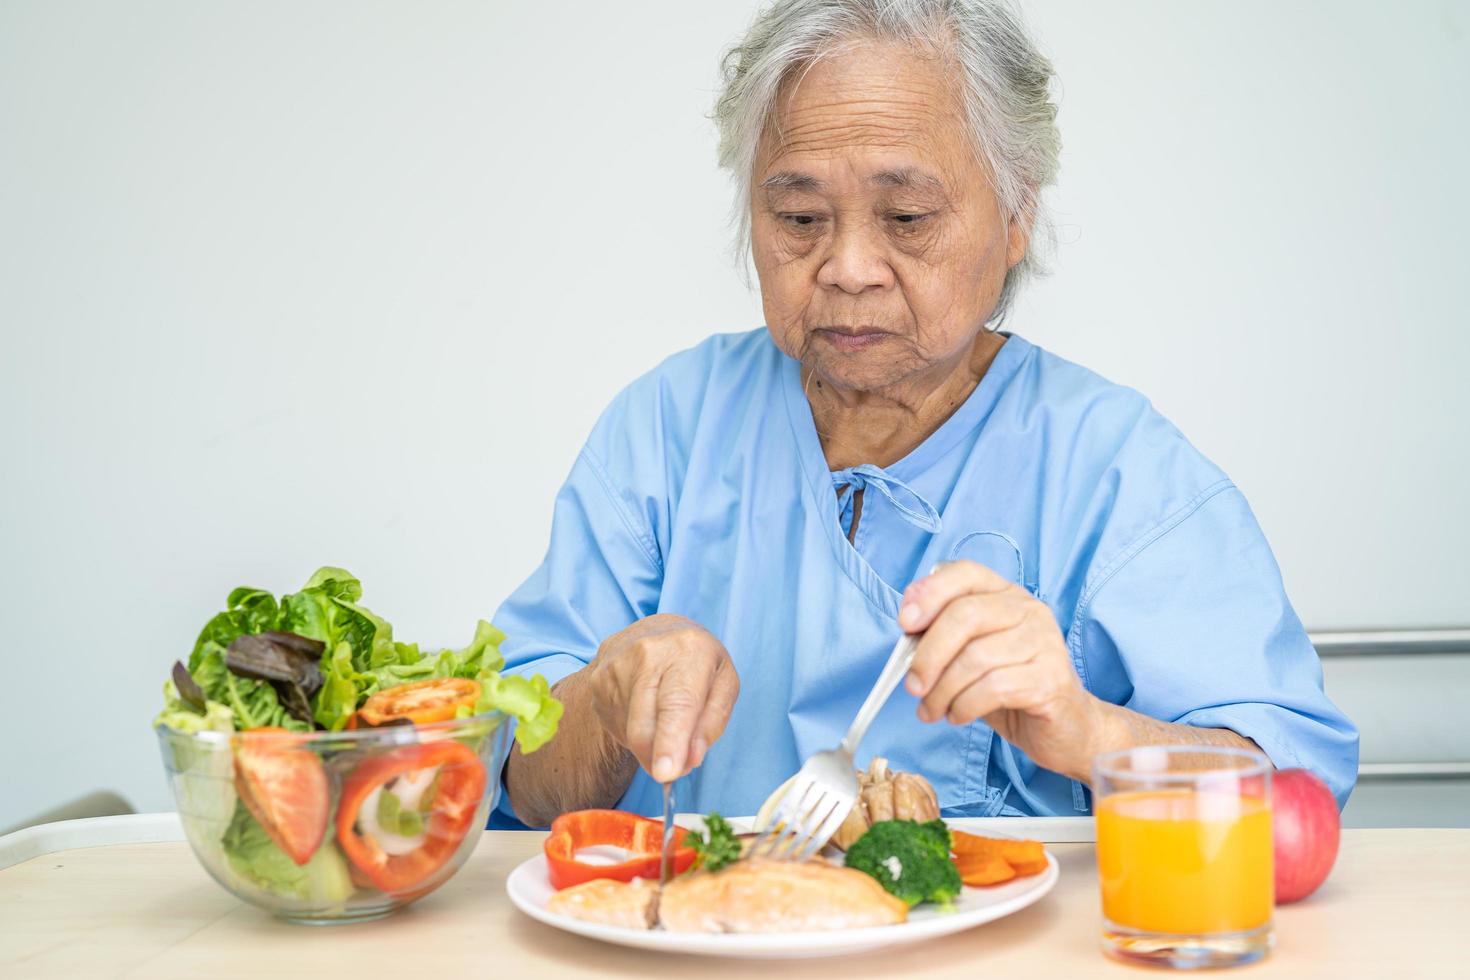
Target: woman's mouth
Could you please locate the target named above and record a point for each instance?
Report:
(851, 341)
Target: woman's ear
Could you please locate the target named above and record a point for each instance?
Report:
(1018, 236)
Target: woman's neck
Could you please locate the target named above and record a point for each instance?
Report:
(883, 426)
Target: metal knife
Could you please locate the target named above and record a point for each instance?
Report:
(666, 865)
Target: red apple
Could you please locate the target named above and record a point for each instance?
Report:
(1304, 828)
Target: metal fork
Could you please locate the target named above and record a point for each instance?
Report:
(826, 788)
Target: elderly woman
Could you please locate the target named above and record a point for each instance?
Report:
(751, 524)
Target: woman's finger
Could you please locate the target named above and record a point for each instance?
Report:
(682, 695)
(1020, 687)
(965, 618)
(925, 597)
(712, 720)
(975, 660)
(641, 719)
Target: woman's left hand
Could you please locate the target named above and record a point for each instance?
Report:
(991, 650)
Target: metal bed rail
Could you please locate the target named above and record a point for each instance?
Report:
(1332, 644)
(1372, 643)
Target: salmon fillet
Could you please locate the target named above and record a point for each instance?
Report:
(632, 904)
(777, 896)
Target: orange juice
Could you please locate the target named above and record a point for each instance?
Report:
(1185, 862)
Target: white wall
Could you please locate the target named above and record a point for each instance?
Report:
(287, 284)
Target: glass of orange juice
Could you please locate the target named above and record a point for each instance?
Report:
(1184, 855)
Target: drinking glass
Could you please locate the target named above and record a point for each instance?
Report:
(1184, 855)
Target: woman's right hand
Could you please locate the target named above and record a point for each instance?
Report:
(664, 689)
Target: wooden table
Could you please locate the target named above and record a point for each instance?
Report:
(1398, 904)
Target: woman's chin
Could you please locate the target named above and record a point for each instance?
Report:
(866, 370)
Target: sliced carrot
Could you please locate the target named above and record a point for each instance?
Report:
(982, 869)
(1027, 857)
(963, 843)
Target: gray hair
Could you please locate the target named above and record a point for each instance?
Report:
(1009, 111)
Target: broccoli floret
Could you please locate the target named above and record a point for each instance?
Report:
(910, 859)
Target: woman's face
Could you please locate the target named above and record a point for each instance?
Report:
(880, 247)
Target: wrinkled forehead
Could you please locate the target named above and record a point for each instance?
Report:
(890, 101)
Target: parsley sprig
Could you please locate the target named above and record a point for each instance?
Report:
(717, 846)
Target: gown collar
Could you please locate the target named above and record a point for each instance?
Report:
(895, 482)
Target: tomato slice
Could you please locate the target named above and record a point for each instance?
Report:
(421, 702)
(461, 782)
(284, 786)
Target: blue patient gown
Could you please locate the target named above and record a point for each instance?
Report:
(703, 491)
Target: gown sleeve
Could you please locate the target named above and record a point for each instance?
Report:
(1199, 622)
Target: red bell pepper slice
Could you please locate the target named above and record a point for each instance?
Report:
(571, 832)
(461, 785)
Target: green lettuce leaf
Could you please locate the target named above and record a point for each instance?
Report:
(360, 659)
(337, 583)
(247, 611)
(203, 774)
(342, 687)
(359, 643)
(181, 717)
(256, 705)
(320, 610)
(208, 669)
(528, 700)
(255, 857)
(480, 658)
(252, 703)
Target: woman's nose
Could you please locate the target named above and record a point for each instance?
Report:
(856, 262)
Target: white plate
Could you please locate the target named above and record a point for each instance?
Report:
(529, 889)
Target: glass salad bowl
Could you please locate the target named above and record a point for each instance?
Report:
(328, 827)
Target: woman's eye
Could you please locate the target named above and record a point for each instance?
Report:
(800, 220)
(905, 218)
